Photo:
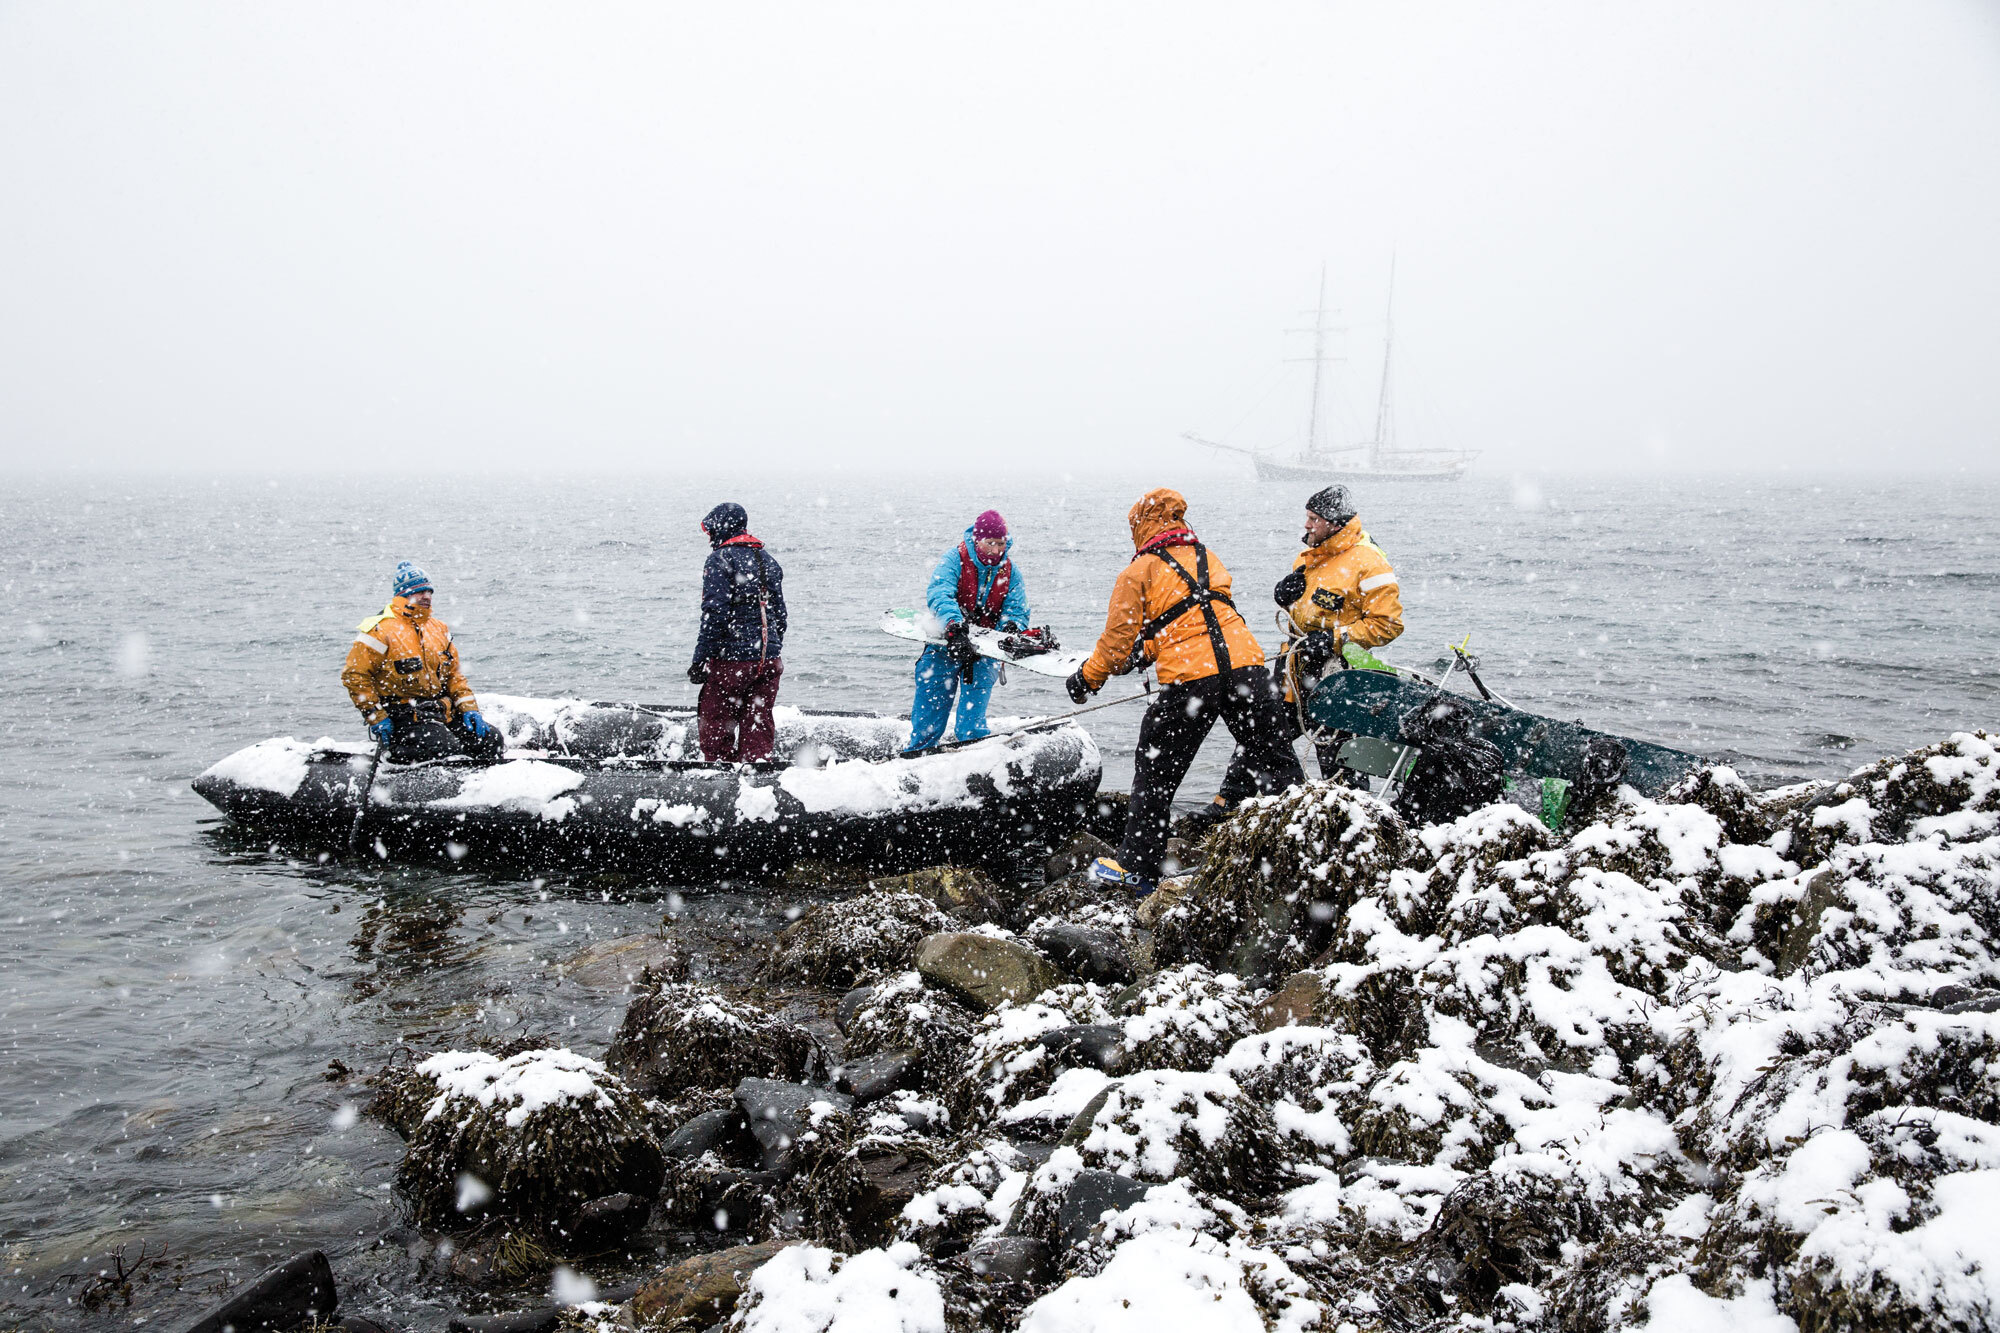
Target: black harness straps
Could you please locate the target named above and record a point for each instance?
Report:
(1199, 595)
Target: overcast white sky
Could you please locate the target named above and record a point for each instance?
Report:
(605, 236)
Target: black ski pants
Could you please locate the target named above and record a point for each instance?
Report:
(419, 732)
(1172, 731)
(1239, 782)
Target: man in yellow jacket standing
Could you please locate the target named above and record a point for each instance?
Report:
(403, 673)
(1171, 608)
(1340, 600)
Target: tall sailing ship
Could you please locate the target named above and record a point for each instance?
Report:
(1376, 459)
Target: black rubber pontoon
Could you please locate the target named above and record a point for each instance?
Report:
(621, 787)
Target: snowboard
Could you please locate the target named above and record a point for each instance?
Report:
(923, 627)
(1373, 703)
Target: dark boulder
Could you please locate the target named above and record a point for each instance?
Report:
(1012, 1259)
(1086, 1046)
(781, 1115)
(876, 1076)
(710, 1131)
(291, 1295)
(1085, 953)
(608, 1221)
(850, 1005)
(1086, 1199)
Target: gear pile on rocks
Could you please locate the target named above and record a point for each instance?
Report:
(1725, 1055)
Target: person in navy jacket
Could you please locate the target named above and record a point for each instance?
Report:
(975, 584)
(738, 657)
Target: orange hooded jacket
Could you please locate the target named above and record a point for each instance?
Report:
(1184, 648)
(405, 655)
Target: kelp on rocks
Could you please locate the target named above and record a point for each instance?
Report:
(1278, 875)
(678, 1037)
(855, 941)
(530, 1137)
(1723, 1045)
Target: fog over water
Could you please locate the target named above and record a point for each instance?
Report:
(486, 236)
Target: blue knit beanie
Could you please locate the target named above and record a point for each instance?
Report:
(410, 580)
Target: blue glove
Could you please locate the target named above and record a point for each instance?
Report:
(380, 730)
(477, 724)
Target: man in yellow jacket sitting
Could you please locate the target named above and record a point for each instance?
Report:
(403, 673)
(1340, 601)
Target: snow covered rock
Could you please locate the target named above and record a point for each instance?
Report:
(678, 1037)
(809, 1289)
(1278, 875)
(1164, 1125)
(1184, 1017)
(856, 941)
(901, 1013)
(531, 1137)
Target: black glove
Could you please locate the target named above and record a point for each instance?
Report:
(1290, 588)
(698, 673)
(1078, 691)
(958, 645)
(1315, 650)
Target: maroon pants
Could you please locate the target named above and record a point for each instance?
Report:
(735, 709)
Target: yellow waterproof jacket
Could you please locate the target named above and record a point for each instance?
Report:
(1183, 648)
(1350, 587)
(405, 655)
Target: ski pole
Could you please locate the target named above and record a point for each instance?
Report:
(367, 790)
(1477, 683)
(1079, 712)
(1036, 724)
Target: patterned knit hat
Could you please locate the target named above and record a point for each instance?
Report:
(410, 580)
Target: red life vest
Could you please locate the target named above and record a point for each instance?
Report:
(968, 589)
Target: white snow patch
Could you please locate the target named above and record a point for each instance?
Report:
(756, 805)
(1175, 1281)
(1675, 1305)
(525, 1083)
(525, 785)
(277, 765)
(808, 1289)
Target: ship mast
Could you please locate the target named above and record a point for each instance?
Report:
(1384, 424)
(1319, 360)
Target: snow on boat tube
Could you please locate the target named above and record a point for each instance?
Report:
(622, 786)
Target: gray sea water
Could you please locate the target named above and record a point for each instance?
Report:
(172, 991)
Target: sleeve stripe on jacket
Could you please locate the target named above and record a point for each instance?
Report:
(372, 642)
(1378, 581)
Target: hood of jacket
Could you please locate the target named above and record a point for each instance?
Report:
(1158, 511)
(726, 520)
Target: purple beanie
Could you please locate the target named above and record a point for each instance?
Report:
(989, 524)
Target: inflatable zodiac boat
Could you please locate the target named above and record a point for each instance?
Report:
(623, 787)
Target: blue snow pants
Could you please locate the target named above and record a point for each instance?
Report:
(938, 679)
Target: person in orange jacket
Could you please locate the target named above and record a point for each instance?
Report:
(1171, 608)
(404, 675)
(1341, 594)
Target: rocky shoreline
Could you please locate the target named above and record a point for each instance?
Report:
(1724, 1055)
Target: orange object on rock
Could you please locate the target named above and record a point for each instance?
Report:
(1171, 606)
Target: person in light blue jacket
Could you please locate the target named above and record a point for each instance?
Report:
(975, 584)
